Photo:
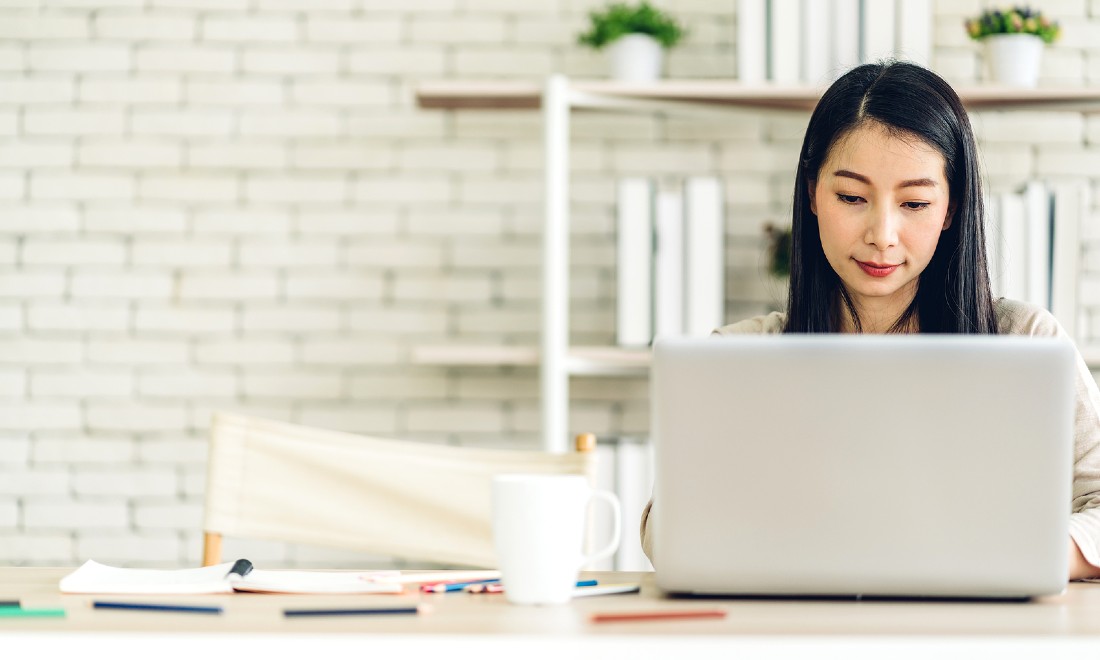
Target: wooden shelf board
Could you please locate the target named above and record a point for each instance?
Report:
(511, 94)
(582, 360)
(474, 356)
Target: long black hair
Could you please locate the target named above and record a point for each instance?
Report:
(953, 293)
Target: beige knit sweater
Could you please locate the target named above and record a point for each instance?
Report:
(1013, 318)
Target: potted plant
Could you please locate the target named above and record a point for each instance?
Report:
(636, 37)
(1014, 41)
(779, 250)
(778, 262)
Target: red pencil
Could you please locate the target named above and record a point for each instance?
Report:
(611, 617)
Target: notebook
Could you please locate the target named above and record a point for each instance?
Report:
(841, 465)
(95, 578)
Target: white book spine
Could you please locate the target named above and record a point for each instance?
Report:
(634, 483)
(634, 319)
(752, 40)
(1070, 204)
(914, 31)
(879, 19)
(994, 246)
(1037, 220)
(784, 41)
(668, 285)
(816, 42)
(704, 262)
(600, 520)
(1015, 246)
(844, 46)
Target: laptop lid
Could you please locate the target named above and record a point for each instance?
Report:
(928, 466)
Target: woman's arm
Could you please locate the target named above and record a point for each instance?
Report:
(1084, 524)
(647, 531)
(1084, 521)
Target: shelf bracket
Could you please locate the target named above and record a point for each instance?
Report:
(555, 266)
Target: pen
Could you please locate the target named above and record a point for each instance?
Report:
(612, 617)
(196, 609)
(607, 589)
(40, 613)
(415, 609)
(9, 603)
(241, 567)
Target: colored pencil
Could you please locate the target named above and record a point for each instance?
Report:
(613, 617)
(436, 577)
(443, 587)
(497, 588)
(156, 607)
(415, 609)
(38, 613)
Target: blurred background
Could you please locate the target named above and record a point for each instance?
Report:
(237, 204)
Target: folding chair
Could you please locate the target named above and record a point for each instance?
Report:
(282, 482)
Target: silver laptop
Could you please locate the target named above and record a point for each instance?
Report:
(833, 465)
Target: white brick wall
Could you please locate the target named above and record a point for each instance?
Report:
(235, 204)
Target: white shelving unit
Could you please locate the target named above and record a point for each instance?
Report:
(558, 97)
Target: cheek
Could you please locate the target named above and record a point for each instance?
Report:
(837, 224)
(925, 237)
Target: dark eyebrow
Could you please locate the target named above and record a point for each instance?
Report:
(910, 183)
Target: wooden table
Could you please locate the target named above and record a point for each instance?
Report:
(488, 626)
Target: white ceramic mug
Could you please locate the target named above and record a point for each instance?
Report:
(538, 529)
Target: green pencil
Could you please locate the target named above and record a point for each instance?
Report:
(19, 612)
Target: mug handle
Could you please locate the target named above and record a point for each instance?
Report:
(616, 535)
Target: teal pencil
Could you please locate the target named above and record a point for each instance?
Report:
(38, 613)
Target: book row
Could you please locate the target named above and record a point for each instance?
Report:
(814, 41)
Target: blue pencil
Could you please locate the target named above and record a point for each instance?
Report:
(195, 609)
(354, 612)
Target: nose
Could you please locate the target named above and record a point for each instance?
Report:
(882, 228)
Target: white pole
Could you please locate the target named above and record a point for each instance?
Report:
(555, 266)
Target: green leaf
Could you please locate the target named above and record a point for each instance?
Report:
(619, 19)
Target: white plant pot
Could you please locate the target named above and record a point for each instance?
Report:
(1014, 58)
(636, 58)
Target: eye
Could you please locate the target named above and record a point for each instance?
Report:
(915, 206)
(849, 199)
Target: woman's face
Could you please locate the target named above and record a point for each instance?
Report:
(881, 203)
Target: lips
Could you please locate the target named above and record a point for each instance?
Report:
(875, 269)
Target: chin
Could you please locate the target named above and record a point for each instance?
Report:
(873, 289)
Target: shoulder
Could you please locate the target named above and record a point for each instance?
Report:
(769, 324)
(1015, 317)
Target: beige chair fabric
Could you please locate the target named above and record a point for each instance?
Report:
(276, 481)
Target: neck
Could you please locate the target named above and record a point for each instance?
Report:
(877, 316)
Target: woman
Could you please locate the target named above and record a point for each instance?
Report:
(889, 237)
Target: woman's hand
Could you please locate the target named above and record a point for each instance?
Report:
(1080, 569)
